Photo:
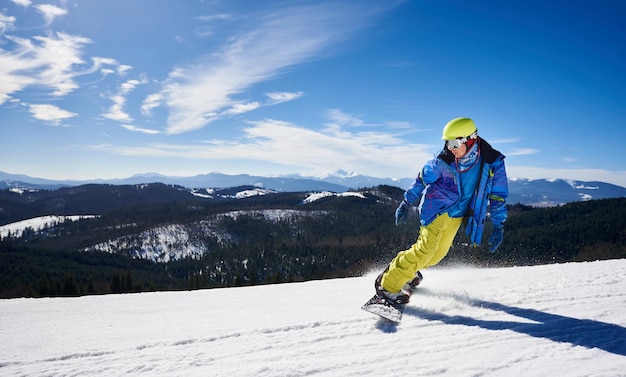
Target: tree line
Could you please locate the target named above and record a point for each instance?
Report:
(356, 235)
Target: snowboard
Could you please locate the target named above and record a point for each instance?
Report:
(385, 309)
(391, 311)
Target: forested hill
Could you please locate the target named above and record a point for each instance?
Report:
(164, 237)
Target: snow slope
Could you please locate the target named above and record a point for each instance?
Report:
(16, 229)
(553, 320)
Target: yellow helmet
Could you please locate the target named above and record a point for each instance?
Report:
(458, 127)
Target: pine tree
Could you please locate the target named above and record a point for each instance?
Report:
(116, 283)
(69, 287)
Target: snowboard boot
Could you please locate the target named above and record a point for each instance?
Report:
(393, 298)
(411, 285)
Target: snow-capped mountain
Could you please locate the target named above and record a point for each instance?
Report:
(553, 192)
(535, 192)
(551, 320)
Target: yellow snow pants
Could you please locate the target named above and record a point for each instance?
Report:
(432, 245)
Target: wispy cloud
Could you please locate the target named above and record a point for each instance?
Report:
(275, 141)
(206, 30)
(24, 3)
(197, 94)
(50, 12)
(404, 125)
(150, 102)
(339, 117)
(6, 23)
(50, 62)
(502, 141)
(240, 108)
(280, 97)
(147, 131)
(274, 99)
(213, 17)
(116, 111)
(50, 113)
(522, 152)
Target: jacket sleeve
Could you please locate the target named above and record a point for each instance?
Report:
(426, 176)
(499, 193)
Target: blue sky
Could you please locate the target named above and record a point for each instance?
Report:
(111, 88)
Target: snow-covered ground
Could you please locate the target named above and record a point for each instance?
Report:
(324, 194)
(16, 229)
(553, 320)
(171, 242)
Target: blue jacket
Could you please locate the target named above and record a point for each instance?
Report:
(438, 188)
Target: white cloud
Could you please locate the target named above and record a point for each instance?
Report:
(129, 85)
(59, 57)
(522, 152)
(341, 118)
(6, 23)
(205, 31)
(213, 17)
(122, 69)
(282, 39)
(277, 142)
(50, 113)
(99, 63)
(50, 12)
(48, 62)
(274, 98)
(141, 130)
(503, 141)
(24, 3)
(406, 126)
(116, 111)
(152, 101)
(240, 108)
(280, 97)
(10, 80)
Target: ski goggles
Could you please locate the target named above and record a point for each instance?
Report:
(456, 143)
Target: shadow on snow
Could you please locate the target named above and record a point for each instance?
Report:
(580, 332)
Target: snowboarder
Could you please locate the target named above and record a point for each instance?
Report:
(454, 188)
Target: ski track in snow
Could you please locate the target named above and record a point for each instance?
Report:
(555, 320)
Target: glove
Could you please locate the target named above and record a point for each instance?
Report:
(402, 212)
(495, 239)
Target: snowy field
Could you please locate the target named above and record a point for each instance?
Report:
(555, 320)
(16, 229)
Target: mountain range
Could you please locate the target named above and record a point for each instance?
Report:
(534, 192)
